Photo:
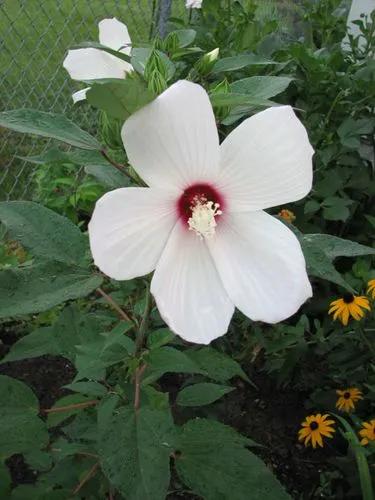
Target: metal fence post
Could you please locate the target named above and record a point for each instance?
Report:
(164, 14)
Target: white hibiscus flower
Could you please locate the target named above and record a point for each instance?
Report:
(201, 223)
(93, 64)
(194, 4)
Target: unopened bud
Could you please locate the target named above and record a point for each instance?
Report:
(205, 64)
(156, 82)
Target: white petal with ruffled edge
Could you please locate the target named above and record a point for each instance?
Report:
(261, 265)
(266, 161)
(129, 229)
(93, 64)
(115, 35)
(173, 141)
(188, 291)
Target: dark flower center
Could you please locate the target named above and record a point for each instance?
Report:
(348, 298)
(198, 193)
(347, 395)
(314, 426)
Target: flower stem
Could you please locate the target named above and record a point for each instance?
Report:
(84, 404)
(144, 322)
(88, 476)
(114, 305)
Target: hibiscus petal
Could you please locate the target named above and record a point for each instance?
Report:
(93, 64)
(261, 265)
(188, 291)
(266, 161)
(80, 95)
(174, 139)
(115, 35)
(129, 229)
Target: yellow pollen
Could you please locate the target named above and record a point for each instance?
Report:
(202, 219)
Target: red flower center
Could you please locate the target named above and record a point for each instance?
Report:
(198, 193)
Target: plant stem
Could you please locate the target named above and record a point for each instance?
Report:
(137, 386)
(75, 406)
(114, 305)
(88, 476)
(144, 323)
(119, 166)
(366, 341)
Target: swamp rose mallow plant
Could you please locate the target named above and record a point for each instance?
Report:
(94, 64)
(201, 224)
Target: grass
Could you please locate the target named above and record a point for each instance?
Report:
(34, 38)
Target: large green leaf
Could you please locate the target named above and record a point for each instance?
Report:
(21, 429)
(108, 176)
(217, 365)
(168, 360)
(240, 61)
(40, 286)
(43, 232)
(215, 464)
(31, 121)
(261, 86)
(231, 100)
(79, 157)
(134, 449)
(203, 393)
(119, 98)
(320, 250)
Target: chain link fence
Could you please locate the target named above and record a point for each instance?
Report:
(34, 37)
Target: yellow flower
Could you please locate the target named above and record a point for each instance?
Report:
(314, 427)
(287, 215)
(347, 398)
(371, 289)
(368, 432)
(349, 305)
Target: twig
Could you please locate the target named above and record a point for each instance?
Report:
(144, 323)
(88, 476)
(114, 304)
(119, 166)
(137, 386)
(75, 406)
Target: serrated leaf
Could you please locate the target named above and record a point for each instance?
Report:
(21, 429)
(79, 157)
(55, 126)
(201, 394)
(168, 360)
(38, 287)
(214, 463)
(217, 365)
(338, 247)
(43, 232)
(119, 98)
(134, 450)
(160, 337)
(231, 100)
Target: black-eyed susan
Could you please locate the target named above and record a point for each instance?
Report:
(287, 215)
(349, 306)
(371, 289)
(314, 427)
(367, 432)
(347, 398)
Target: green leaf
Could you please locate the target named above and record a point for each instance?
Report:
(31, 121)
(37, 343)
(108, 176)
(335, 208)
(168, 360)
(350, 131)
(217, 365)
(203, 393)
(43, 232)
(104, 48)
(56, 418)
(160, 337)
(241, 61)
(141, 55)
(261, 87)
(321, 249)
(134, 450)
(38, 287)
(21, 429)
(311, 207)
(79, 157)
(214, 463)
(185, 37)
(119, 98)
(231, 100)
(5, 481)
(89, 388)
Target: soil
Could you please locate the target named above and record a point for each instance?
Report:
(269, 415)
